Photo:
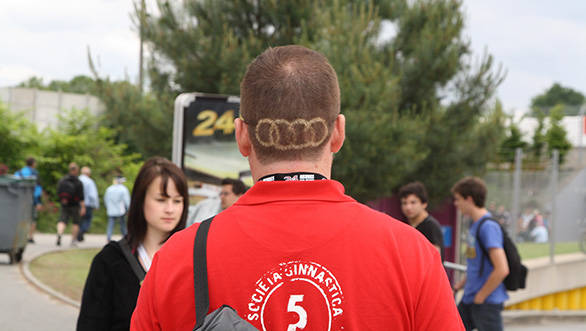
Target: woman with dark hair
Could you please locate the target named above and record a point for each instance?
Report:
(158, 209)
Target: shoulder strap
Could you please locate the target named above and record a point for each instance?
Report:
(134, 265)
(481, 245)
(200, 272)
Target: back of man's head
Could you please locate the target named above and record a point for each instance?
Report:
(471, 187)
(290, 100)
(73, 169)
(86, 171)
(238, 187)
(30, 161)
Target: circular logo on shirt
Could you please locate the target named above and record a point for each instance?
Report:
(297, 295)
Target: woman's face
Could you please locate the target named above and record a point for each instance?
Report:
(162, 212)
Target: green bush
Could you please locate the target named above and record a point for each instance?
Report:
(79, 138)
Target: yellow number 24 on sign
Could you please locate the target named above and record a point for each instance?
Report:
(210, 123)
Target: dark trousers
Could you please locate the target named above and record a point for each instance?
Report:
(86, 221)
(484, 317)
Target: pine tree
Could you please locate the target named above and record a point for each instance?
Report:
(556, 135)
(416, 105)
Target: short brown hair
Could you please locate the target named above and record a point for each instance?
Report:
(238, 186)
(289, 98)
(150, 170)
(415, 188)
(471, 187)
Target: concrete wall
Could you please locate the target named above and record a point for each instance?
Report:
(43, 107)
(567, 273)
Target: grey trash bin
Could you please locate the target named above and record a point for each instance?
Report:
(16, 214)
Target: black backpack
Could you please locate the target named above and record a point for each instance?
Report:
(67, 191)
(517, 272)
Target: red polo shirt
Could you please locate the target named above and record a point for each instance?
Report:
(302, 255)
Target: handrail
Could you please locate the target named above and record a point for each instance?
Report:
(455, 266)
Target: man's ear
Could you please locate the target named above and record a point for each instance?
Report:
(242, 138)
(338, 134)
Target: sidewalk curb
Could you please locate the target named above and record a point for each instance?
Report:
(517, 317)
(25, 270)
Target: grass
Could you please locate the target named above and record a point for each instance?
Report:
(64, 271)
(534, 250)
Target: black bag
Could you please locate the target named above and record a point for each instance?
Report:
(67, 191)
(517, 271)
(224, 318)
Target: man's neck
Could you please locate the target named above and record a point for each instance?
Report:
(477, 213)
(420, 218)
(289, 167)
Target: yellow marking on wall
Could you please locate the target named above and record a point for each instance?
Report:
(567, 300)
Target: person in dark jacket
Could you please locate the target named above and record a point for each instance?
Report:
(157, 210)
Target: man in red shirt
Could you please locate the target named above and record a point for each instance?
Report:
(294, 252)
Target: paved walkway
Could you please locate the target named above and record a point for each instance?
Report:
(23, 306)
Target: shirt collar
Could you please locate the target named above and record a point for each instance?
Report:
(319, 190)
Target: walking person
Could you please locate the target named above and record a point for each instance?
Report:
(484, 291)
(91, 199)
(157, 210)
(117, 201)
(30, 171)
(294, 252)
(71, 198)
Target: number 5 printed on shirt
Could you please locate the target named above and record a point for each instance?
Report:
(293, 308)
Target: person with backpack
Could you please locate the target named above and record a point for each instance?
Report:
(158, 209)
(487, 266)
(71, 198)
(294, 252)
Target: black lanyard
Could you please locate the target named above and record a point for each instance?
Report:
(300, 176)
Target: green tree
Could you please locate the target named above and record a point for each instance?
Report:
(539, 142)
(416, 106)
(142, 122)
(33, 82)
(79, 84)
(556, 135)
(79, 138)
(557, 95)
(19, 139)
(509, 145)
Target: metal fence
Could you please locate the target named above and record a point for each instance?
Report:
(540, 205)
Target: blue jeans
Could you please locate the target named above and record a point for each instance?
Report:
(111, 220)
(484, 316)
(86, 220)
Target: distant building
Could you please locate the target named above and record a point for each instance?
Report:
(43, 107)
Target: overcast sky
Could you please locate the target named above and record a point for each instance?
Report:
(538, 42)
